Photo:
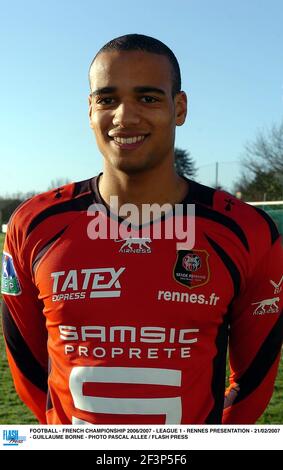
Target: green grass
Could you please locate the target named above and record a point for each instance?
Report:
(13, 411)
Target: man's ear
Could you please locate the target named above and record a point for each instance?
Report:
(181, 108)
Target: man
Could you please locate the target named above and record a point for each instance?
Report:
(131, 329)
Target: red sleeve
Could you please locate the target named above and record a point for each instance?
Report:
(256, 338)
(23, 325)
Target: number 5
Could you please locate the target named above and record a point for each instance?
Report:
(170, 407)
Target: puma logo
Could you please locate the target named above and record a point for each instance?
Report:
(141, 245)
(266, 306)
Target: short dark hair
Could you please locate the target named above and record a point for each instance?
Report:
(140, 42)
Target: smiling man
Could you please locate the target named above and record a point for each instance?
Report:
(134, 330)
(134, 107)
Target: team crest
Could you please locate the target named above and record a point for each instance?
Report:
(192, 268)
(9, 280)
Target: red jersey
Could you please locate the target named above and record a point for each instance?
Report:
(132, 331)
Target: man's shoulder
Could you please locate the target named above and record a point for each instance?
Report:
(42, 206)
(221, 206)
(251, 218)
(33, 206)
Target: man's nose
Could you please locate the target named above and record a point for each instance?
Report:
(126, 114)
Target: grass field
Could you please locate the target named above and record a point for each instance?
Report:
(13, 411)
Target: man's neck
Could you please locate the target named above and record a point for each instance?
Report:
(149, 187)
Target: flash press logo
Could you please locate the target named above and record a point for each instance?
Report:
(11, 437)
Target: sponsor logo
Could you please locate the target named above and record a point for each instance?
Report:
(11, 437)
(128, 334)
(266, 306)
(86, 283)
(10, 284)
(145, 342)
(277, 287)
(191, 268)
(135, 245)
(173, 296)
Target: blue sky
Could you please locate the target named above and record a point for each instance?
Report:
(230, 55)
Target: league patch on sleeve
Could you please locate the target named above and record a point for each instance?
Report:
(10, 284)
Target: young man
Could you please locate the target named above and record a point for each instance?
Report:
(132, 329)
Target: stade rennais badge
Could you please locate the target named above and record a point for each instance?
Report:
(192, 268)
(9, 280)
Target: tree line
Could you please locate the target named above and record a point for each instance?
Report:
(261, 168)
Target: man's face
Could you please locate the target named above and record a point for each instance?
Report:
(132, 111)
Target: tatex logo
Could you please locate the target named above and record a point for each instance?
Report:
(11, 437)
(80, 284)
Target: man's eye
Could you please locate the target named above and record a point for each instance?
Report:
(148, 99)
(105, 101)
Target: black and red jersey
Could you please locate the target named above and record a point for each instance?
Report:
(132, 330)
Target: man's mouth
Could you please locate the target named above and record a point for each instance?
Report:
(128, 142)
